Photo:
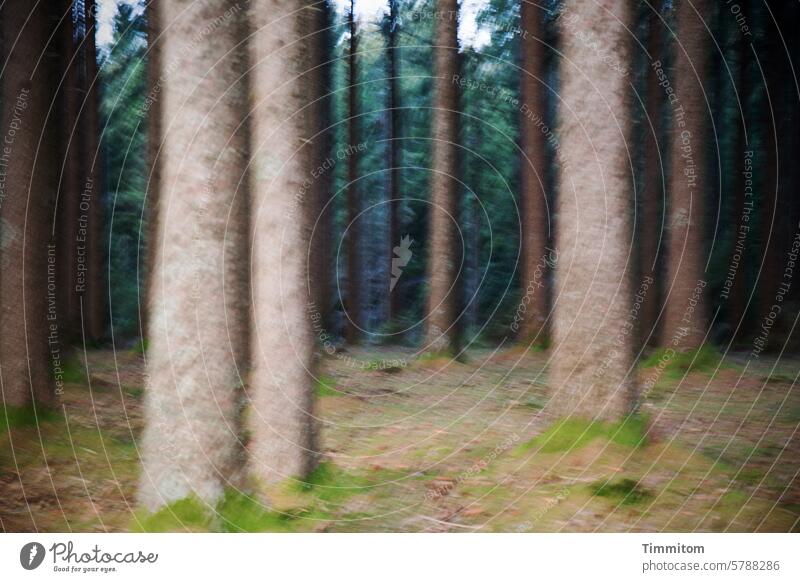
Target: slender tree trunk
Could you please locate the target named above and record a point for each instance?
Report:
(284, 367)
(536, 259)
(395, 196)
(655, 176)
(444, 261)
(685, 317)
(71, 183)
(153, 105)
(593, 357)
(320, 134)
(353, 309)
(95, 299)
(27, 194)
(199, 302)
(741, 231)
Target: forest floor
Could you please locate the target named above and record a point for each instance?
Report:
(432, 445)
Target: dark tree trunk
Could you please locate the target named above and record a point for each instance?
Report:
(95, 298)
(536, 260)
(654, 188)
(27, 256)
(395, 196)
(444, 260)
(353, 307)
(686, 291)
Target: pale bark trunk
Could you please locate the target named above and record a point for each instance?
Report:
(536, 259)
(198, 307)
(685, 311)
(283, 375)
(593, 356)
(444, 259)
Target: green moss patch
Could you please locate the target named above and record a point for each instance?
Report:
(573, 433)
(676, 364)
(622, 492)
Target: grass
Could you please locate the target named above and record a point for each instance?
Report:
(25, 416)
(326, 386)
(572, 433)
(676, 364)
(313, 500)
(622, 492)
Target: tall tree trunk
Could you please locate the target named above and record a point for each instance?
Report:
(395, 196)
(94, 303)
(655, 179)
(27, 195)
(284, 366)
(743, 204)
(536, 259)
(593, 357)
(198, 307)
(319, 76)
(153, 105)
(353, 310)
(444, 261)
(685, 310)
(71, 181)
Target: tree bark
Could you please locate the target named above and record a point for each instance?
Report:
(71, 183)
(27, 196)
(393, 139)
(536, 259)
(95, 302)
(153, 106)
(685, 310)
(444, 261)
(320, 135)
(655, 176)
(283, 377)
(199, 305)
(353, 309)
(593, 346)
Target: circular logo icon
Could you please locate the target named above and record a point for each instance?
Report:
(31, 555)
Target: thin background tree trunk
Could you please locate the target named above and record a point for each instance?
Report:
(536, 260)
(655, 180)
(685, 311)
(354, 309)
(444, 261)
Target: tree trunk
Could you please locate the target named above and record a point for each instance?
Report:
(593, 357)
(27, 195)
(94, 301)
(153, 106)
(319, 76)
(654, 188)
(283, 376)
(71, 183)
(353, 310)
(395, 197)
(444, 260)
(685, 310)
(199, 305)
(536, 259)
(738, 289)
